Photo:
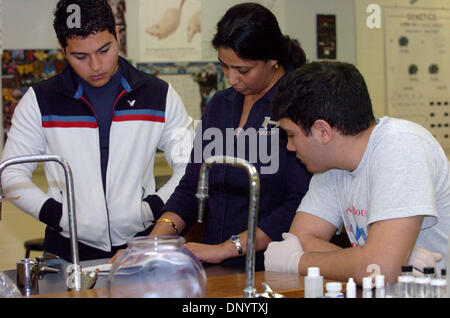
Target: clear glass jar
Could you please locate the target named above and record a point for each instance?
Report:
(156, 267)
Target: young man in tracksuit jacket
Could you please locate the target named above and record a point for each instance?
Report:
(107, 119)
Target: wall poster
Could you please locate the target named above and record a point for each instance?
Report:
(417, 48)
(170, 30)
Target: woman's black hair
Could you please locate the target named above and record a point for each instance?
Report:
(253, 33)
(95, 16)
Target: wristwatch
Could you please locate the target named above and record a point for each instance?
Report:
(235, 239)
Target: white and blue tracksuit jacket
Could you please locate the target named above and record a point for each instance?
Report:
(54, 117)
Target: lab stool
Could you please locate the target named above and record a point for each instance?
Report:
(33, 245)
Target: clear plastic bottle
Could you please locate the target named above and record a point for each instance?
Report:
(405, 286)
(438, 288)
(367, 287)
(422, 287)
(334, 290)
(350, 289)
(379, 286)
(313, 283)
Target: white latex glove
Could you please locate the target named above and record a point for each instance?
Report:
(283, 256)
(421, 258)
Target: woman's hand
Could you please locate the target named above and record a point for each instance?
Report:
(213, 254)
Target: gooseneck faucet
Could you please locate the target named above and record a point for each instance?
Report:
(253, 209)
(70, 201)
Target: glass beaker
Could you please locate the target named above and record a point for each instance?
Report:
(156, 267)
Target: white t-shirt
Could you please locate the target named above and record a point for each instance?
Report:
(404, 172)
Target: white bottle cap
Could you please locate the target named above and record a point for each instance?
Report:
(405, 279)
(350, 289)
(438, 282)
(367, 283)
(379, 281)
(334, 287)
(422, 280)
(313, 271)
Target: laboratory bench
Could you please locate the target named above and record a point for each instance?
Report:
(222, 282)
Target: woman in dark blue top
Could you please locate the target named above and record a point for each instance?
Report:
(254, 56)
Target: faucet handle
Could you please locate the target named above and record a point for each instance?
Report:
(47, 256)
(268, 292)
(42, 266)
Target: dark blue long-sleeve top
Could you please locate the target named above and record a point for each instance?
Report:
(227, 207)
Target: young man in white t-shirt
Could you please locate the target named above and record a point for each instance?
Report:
(387, 181)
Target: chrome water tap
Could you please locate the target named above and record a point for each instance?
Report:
(253, 209)
(76, 268)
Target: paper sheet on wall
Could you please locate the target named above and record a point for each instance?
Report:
(170, 30)
(1, 27)
(417, 44)
(189, 91)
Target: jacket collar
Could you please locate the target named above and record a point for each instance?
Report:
(70, 81)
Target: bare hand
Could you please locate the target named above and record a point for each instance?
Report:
(113, 259)
(213, 254)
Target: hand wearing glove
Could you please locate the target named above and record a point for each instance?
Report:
(421, 258)
(283, 256)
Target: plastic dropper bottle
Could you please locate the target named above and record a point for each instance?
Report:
(313, 283)
(379, 286)
(367, 287)
(350, 289)
(334, 290)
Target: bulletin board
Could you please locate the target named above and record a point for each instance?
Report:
(417, 48)
(22, 69)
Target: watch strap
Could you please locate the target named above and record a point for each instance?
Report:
(236, 241)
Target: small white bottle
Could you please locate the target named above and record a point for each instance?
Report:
(438, 288)
(313, 283)
(379, 286)
(367, 287)
(334, 290)
(350, 289)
